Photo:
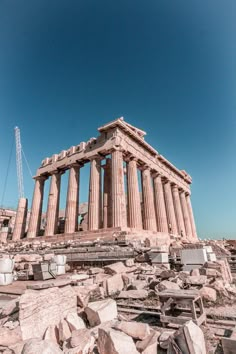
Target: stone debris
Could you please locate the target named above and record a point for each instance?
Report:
(208, 294)
(74, 321)
(133, 294)
(149, 345)
(114, 284)
(101, 311)
(115, 342)
(135, 330)
(39, 346)
(115, 268)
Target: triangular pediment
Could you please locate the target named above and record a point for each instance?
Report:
(123, 125)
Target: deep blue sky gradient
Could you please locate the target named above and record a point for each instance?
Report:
(168, 67)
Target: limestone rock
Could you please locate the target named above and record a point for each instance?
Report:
(38, 346)
(133, 294)
(136, 330)
(64, 330)
(115, 268)
(137, 285)
(166, 274)
(52, 334)
(115, 342)
(190, 339)
(83, 340)
(10, 307)
(40, 309)
(167, 285)
(74, 321)
(164, 338)
(28, 258)
(101, 311)
(149, 344)
(114, 284)
(196, 280)
(195, 272)
(208, 294)
(95, 270)
(10, 336)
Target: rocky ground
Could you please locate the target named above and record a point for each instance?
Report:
(114, 309)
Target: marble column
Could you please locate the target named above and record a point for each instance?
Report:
(53, 205)
(134, 205)
(170, 212)
(94, 206)
(119, 214)
(36, 209)
(178, 211)
(149, 217)
(107, 197)
(191, 216)
(187, 223)
(162, 225)
(72, 201)
(20, 222)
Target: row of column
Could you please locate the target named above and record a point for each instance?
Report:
(165, 207)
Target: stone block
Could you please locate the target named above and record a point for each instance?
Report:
(38, 346)
(190, 339)
(196, 280)
(211, 257)
(208, 294)
(74, 321)
(52, 334)
(115, 342)
(208, 249)
(114, 284)
(167, 285)
(10, 336)
(6, 265)
(101, 311)
(193, 256)
(61, 269)
(160, 257)
(149, 344)
(40, 309)
(81, 341)
(133, 294)
(84, 293)
(136, 330)
(115, 268)
(64, 330)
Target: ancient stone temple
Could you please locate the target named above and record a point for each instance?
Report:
(134, 192)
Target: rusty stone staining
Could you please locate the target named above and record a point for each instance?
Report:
(186, 215)
(111, 207)
(107, 197)
(72, 202)
(148, 201)
(94, 206)
(36, 212)
(160, 208)
(178, 210)
(53, 205)
(170, 209)
(134, 210)
(119, 217)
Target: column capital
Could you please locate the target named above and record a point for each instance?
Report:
(76, 165)
(145, 167)
(156, 174)
(40, 178)
(130, 157)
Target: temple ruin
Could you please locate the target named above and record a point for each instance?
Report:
(140, 195)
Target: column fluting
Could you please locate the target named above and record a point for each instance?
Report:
(72, 201)
(187, 223)
(162, 225)
(178, 211)
(119, 214)
(94, 206)
(191, 216)
(53, 205)
(36, 209)
(134, 205)
(170, 212)
(149, 217)
(107, 197)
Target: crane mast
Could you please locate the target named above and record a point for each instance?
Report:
(19, 163)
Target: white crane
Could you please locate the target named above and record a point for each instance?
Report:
(19, 164)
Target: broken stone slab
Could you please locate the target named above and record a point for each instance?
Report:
(166, 285)
(115, 268)
(84, 293)
(137, 285)
(208, 294)
(114, 284)
(196, 280)
(136, 330)
(166, 274)
(115, 342)
(49, 284)
(79, 277)
(164, 338)
(64, 330)
(28, 258)
(39, 346)
(10, 336)
(74, 321)
(149, 344)
(35, 316)
(133, 294)
(95, 270)
(190, 339)
(101, 311)
(10, 307)
(83, 340)
(52, 334)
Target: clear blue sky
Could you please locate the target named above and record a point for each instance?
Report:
(168, 67)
